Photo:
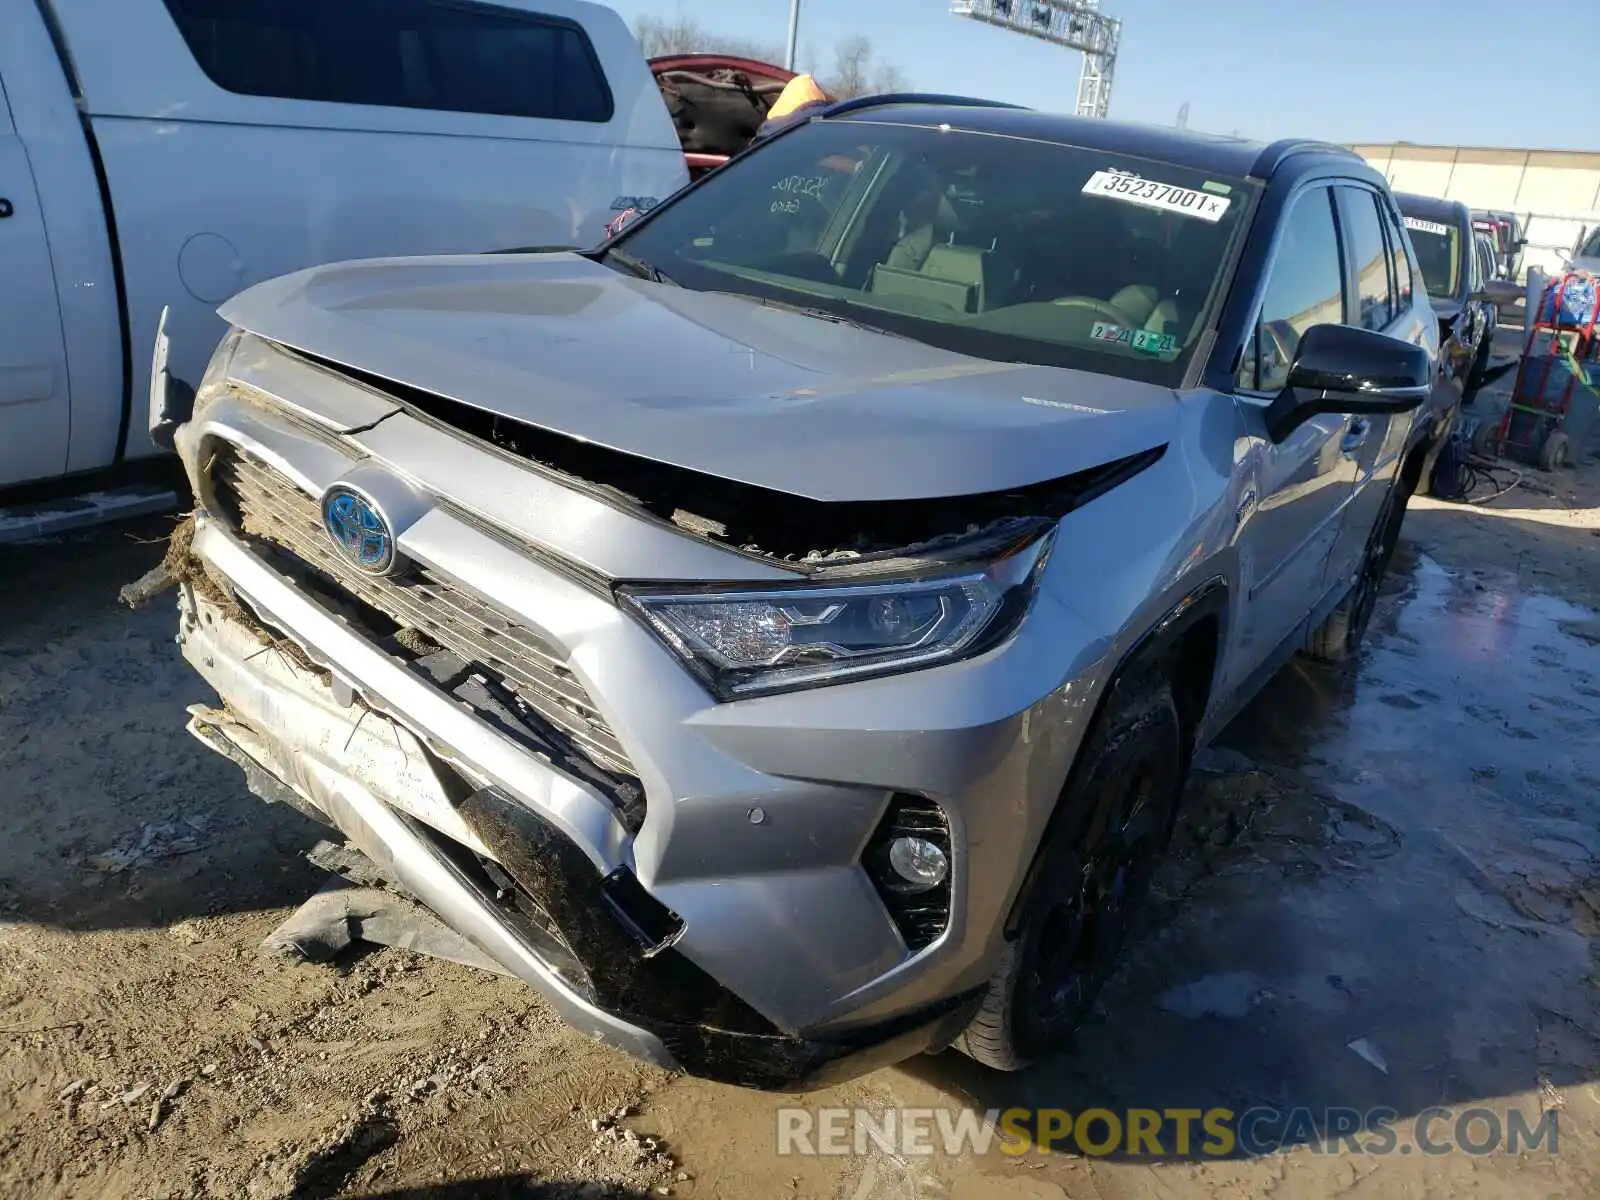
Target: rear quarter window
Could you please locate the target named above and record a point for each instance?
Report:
(428, 54)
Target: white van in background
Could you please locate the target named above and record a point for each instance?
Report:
(165, 154)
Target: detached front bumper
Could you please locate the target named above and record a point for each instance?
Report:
(305, 738)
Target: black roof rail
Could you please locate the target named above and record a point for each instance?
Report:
(1271, 157)
(888, 98)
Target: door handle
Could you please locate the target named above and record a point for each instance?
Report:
(1355, 435)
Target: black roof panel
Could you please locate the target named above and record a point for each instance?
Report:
(1431, 208)
(1201, 151)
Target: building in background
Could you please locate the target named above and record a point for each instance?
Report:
(1556, 193)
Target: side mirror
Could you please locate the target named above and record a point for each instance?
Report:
(1502, 292)
(1341, 369)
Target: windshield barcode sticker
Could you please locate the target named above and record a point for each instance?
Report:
(1422, 226)
(1164, 197)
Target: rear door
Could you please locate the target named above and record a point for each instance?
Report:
(35, 413)
(1288, 529)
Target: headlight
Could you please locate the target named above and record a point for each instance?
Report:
(759, 640)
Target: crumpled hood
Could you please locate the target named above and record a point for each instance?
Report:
(713, 383)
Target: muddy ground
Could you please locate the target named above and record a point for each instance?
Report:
(1386, 892)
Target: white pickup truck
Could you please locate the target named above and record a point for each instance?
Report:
(162, 155)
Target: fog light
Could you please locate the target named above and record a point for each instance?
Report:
(919, 864)
(909, 860)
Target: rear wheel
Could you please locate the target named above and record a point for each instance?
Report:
(1340, 635)
(1115, 819)
(1480, 365)
(1553, 451)
(1486, 437)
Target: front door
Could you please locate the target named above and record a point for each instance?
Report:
(1288, 521)
(34, 410)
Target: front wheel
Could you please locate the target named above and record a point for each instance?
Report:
(1114, 820)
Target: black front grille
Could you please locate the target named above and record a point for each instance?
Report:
(503, 669)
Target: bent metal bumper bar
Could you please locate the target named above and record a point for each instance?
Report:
(290, 726)
(347, 751)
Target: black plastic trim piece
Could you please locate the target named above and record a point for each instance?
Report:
(708, 1030)
(920, 916)
(860, 103)
(651, 923)
(1273, 156)
(1208, 598)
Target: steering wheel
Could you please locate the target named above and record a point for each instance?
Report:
(1102, 308)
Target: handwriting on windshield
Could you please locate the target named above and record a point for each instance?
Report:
(802, 185)
(785, 206)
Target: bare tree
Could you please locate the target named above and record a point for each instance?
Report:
(684, 35)
(857, 70)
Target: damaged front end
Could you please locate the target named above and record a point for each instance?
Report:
(598, 947)
(497, 660)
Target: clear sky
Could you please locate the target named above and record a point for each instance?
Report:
(1452, 72)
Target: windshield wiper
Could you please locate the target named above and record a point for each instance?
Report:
(822, 314)
(637, 266)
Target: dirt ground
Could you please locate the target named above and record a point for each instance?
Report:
(1386, 891)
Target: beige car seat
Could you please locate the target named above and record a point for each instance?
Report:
(960, 264)
(1138, 300)
(1147, 310)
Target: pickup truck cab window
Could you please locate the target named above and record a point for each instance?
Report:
(452, 57)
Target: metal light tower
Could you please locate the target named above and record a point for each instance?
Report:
(794, 33)
(1076, 24)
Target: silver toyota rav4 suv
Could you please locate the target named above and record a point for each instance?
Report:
(780, 634)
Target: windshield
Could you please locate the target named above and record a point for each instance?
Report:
(996, 247)
(1438, 254)
(1591, 248)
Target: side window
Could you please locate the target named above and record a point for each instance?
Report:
(1375, 306)
(1403, 271)
(430, 54)
(1306, 288)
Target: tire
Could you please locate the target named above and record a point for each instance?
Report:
(1553, 451)
(1340, 635)
(1114, 819)
(1485, 437)
(1475, 373)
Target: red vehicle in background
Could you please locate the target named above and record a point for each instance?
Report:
(717, 102)
(1505, 230)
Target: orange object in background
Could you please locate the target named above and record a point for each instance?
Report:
(800, 92)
